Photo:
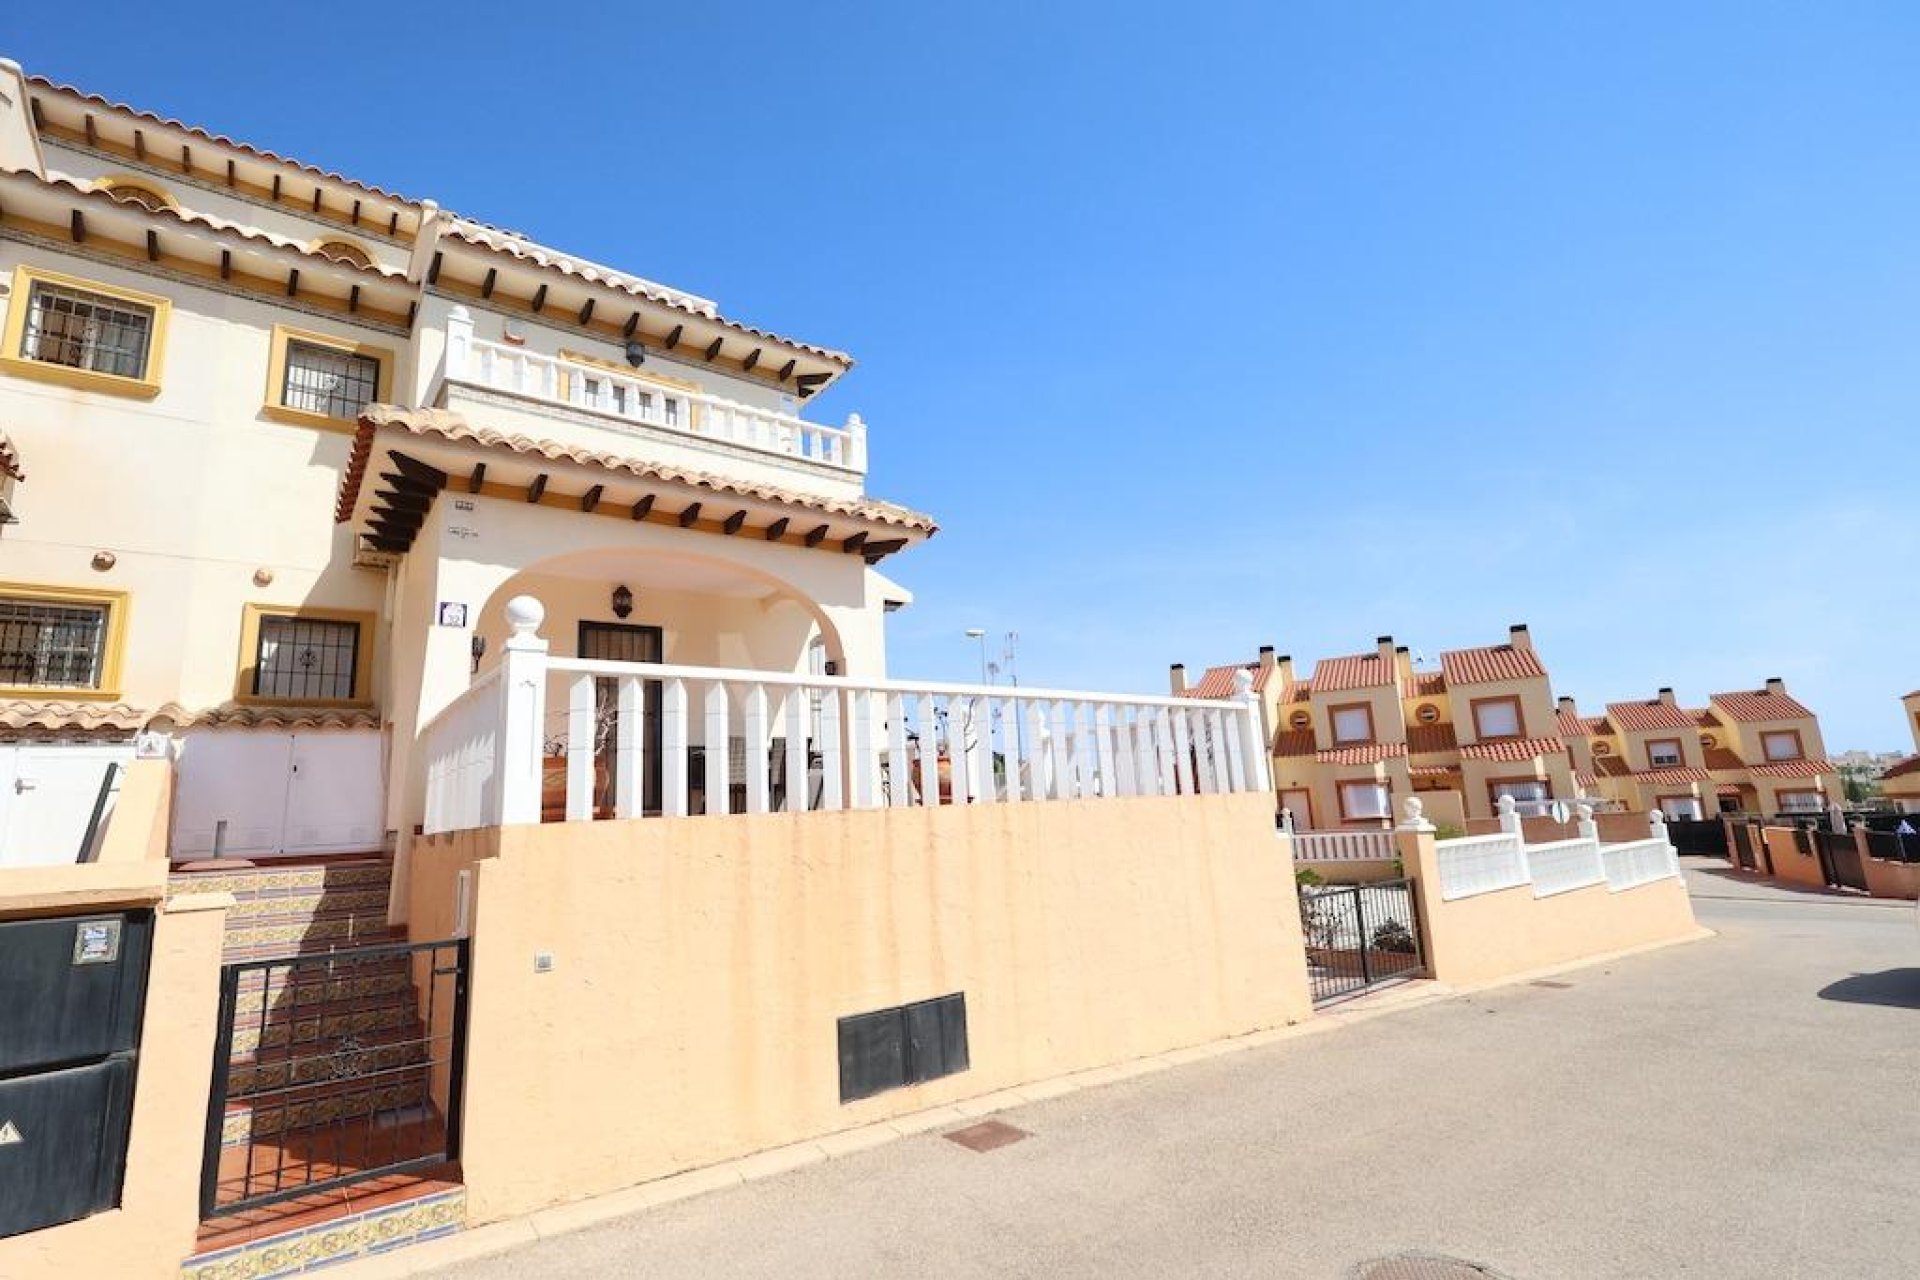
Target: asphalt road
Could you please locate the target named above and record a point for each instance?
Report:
(1744, 1106)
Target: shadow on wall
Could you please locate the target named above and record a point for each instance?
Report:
(1895, 988)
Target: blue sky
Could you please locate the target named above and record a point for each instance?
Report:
(1291, 324)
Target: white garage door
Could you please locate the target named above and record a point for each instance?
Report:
(279, 793)
(47, 798)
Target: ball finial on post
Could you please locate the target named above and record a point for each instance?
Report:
(524, 616)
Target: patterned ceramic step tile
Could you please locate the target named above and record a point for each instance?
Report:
(406, 1096)
(355, 1236)
(330, 901)
(357, 1061)
(313, 987)
(272, 1030)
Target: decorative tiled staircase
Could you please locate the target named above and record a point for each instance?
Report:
(321, 1078)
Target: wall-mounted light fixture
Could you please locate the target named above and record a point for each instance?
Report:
(479, 649)
(622, 601)
(636, 353)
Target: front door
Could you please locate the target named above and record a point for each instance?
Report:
(624, 642)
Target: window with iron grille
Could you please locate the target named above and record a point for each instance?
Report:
(52, 644)
(336, 384)
(84, 330)
(306, 659)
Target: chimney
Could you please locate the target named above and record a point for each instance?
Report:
(1284, 665)
(1666, 695)
(1267, 660)
(1567, 706)
(1403, 661)
(1517, 637)
(1177, 677)
(1776, 685)
(1386, 649)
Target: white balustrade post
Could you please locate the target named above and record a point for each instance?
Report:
(856, 445)
(523, 715)
(716, 747)
(1416, 819)
(1585, 825)
(580, 748)
(1286, 820)
(799, 785)
(1183, 779)
(1509, 816)
(759, 741)
(1258, 766)
(1040, 783)
(459, 357)
(864, 769)
(673, 748)
(832, 750)
(629, 750)
(1656, 824)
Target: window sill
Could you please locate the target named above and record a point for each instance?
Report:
(80, 379)
(55, 693)
(307, 418)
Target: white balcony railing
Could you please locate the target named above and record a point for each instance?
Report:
(1487, 864)
(1344, 846)
(628, 401)
(736, 741)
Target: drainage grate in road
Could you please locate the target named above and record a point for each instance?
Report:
(988, 1135)
(1423, 1266)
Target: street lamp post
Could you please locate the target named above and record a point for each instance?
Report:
(979, 636)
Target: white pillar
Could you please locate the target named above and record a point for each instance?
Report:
(1509, 816)
(459, 360)
(1259, 765)
(523, 714)
(1588, 828)
(1416, 819)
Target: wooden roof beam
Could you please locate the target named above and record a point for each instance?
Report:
(816, 536)
(538, 487)
(591, 498)
(713, 349)
(854, 543)
(293, 281)
(92, 130)
(690, 515)
(673, 336)
(786, 370)
(486, 286)
(642, 507)
(633, 322)
(734, 521)
(477, 478)
(153, 245)
(778, 529)
(753, 358)
(77, 227)
(586, 311)
(539, 298)
(418, 471)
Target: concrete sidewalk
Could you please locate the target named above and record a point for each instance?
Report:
(1737, 1107)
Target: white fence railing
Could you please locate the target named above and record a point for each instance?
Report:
(1487, 864)
(648, 402)
(629, 740)
(1344, 846)
(1560, 866)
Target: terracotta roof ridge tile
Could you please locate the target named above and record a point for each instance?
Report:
(218, 139)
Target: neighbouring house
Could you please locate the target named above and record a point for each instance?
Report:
(1900, 781)
(1748, 751)
(443, 686)
(1367, 729)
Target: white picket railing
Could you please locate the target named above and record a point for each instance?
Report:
(1639, 862)
(739, 741)
(1344, 846)
(1480, 864)
(1487, 864)
(698, 415)
(1560, 866)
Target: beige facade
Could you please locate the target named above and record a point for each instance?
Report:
(1900, 783)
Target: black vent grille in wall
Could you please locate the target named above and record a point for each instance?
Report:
(892, 1048)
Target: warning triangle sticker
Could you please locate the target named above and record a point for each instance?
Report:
(9, 1134)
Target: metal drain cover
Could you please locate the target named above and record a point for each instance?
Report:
(1423, 1266)
(986, 1136)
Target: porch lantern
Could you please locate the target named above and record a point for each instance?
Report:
(622, 601)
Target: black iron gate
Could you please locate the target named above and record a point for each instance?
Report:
(333, 1069)
(1358, 936)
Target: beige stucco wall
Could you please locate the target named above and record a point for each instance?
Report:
(152, 1231)
(700, 965)
(1490, 936)
(131, 868)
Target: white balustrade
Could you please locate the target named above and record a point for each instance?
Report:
(645, 402)
(1639, 862)
(1344, 846)
(1560, 866)
(1480, 864)
(739, 741)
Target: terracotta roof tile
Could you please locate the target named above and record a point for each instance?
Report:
(1363, 753)
(236, 715)
(226, 230)
(1488, 664)
(1727, 789)
(1217, 682)
(1812, 768)
(1636, 717)
(54, 717)
(1670, 777)
(448, 425)
(1903, 768)
(1751, 706)
(219, 139)
(1514, 749)
(1299, 691)
(1360, 671)
(1427, 684)
(1611, 767)
(1705, 718)
(10, 458)
(1427, 739)
(1586, 779)
(1572, 725)
(526, 250)
(1293, 742)
(1433, 770)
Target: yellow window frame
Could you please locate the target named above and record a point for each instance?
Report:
(14, 360)
(111, 659)
(251, 617)
(277, 377)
